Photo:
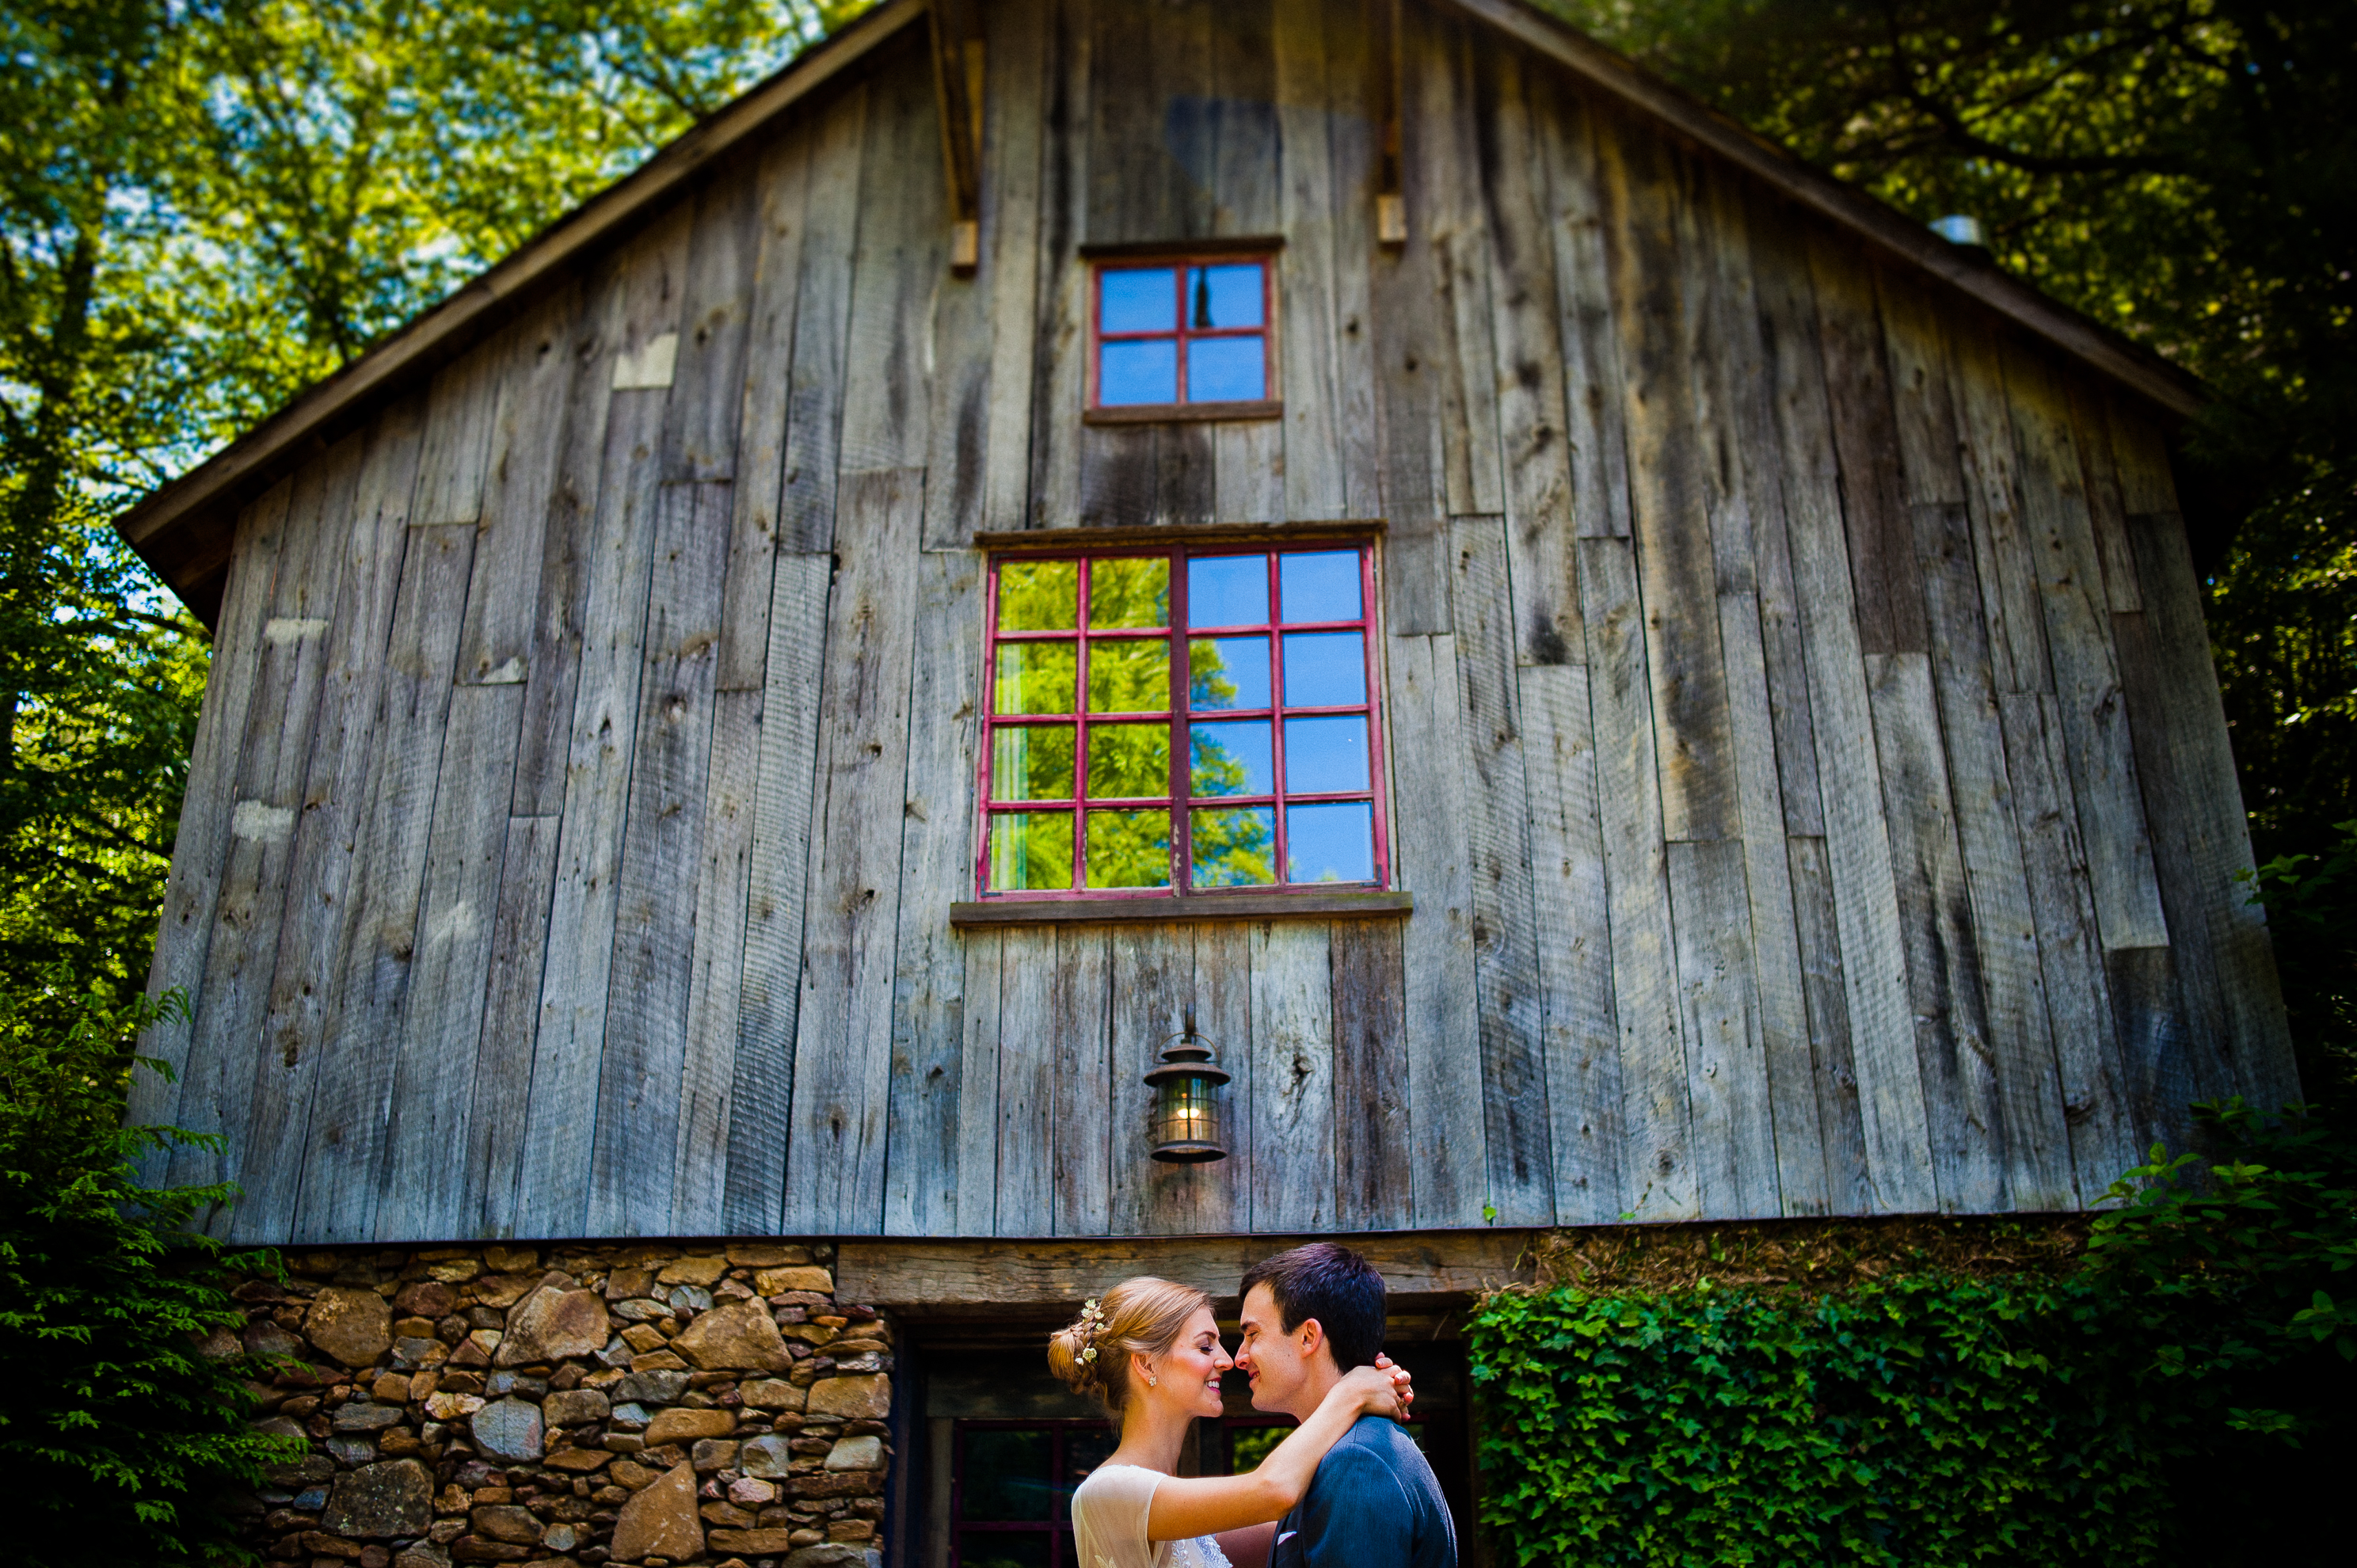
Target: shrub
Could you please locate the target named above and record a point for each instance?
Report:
(2175, 1396)
(117, 1431)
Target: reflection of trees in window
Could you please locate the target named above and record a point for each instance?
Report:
(1235, 846)
(1208, 685)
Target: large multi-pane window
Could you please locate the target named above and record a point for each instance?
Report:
(1181, 721)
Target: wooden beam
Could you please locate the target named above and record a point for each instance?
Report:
(1284, 534)
(1193, 906)
(959, 1276)
(2141, 372)
(957, 35)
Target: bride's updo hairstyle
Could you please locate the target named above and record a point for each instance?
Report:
(1143, 1315)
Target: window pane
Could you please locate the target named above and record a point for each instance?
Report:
(1231, 759)
(1129, 675)
(1233, 846)
(1031, 850)
(1325, 669)
(1129, 592)
(1226, 369)
(1032, 762)
(1140, 370)
(1039, 595)
(1127, 761)
(1036, 678)
(1323, 586)
(1227, 673)
(1226, 295)
(1007, 1476)
(1334, 842)
(1325, 757)
(1002, 1548)
(1137, 299)
(1227, 590)
(1129, 849)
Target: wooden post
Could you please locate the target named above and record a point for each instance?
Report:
(958, 83)
(1391, 204)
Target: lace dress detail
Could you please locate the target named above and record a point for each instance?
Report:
(1109, 1523)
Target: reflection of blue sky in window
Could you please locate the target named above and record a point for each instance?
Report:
(1325, 670)
(1137, 299)
(1225, 296)
(1325, 757)
(1228, 672)
(1227, 590)
(1146, 371)
(1334, 842)
(1319, 585)
(1234, 758)
(1226, 369)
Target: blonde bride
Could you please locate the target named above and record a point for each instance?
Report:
(1150, 1349)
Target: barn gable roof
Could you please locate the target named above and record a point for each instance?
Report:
(184, 529)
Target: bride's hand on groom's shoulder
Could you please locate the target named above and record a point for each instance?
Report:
(1402, 1381)
(1384, 1388)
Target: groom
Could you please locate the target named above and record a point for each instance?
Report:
(1309, 1316)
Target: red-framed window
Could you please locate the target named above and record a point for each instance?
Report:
(1182, 330)
(1180, 720)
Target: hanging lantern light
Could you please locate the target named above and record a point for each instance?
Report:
(1187, 1122)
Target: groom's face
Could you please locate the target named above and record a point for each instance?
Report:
(1282, 1366)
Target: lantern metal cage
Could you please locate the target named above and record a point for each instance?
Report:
(1188, 1112)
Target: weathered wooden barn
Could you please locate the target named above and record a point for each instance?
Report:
(1608, 673)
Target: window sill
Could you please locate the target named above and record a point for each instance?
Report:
(1182, 413)
(1195, 907)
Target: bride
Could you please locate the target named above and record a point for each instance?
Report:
(1150, 1350)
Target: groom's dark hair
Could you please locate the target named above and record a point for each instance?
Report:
(1333, 1285)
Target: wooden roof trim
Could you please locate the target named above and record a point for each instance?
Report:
(2096, 345)
(430, 340)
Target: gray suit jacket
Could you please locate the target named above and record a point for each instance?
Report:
(1374, 1504)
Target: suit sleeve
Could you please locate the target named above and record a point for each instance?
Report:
(1357, 1515)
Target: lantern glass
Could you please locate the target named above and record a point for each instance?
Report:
(1187, 1122)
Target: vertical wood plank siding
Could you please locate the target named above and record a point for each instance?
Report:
(1802, 742)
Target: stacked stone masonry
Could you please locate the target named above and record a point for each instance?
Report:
(571, 1406)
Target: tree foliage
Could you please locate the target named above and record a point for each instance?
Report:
(205, 206)
(118, 1427)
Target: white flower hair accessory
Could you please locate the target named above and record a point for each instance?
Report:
(1092, 1324)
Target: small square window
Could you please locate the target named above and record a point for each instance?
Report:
(1182, 337)
(1180, 720)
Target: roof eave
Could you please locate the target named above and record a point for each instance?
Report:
(2098, 346)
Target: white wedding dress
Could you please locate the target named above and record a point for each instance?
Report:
(1109, 1519)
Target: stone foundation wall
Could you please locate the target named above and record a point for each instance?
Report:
(647, 1404)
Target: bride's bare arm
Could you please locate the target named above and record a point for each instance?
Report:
(1186, 1507)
